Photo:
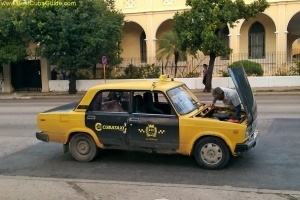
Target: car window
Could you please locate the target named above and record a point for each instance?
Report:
(182, 99)
(110, 101)
(151, 102)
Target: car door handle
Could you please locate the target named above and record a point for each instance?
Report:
(134, 119)
(91, 117)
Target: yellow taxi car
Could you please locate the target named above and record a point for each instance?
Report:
(160, 116)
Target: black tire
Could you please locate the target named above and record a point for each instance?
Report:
(212, 153)
(83, 147)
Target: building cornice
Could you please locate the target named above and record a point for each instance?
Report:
(153, 12)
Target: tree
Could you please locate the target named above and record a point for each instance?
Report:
(76, 36)
(200, 28)
(168, 47)
(12, 43)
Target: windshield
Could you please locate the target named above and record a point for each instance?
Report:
(183, 99)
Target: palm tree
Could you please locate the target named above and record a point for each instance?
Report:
(169, 46)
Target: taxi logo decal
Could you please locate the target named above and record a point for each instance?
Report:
(151, 131)
(100, 127)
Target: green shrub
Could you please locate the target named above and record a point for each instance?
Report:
(251, 68)
(282, 71)
(224, 73)
(150, 71)
(192, 75)
(289, 71)
(83, 75)
(296, 68)
(134, 72)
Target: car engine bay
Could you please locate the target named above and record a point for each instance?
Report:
(220, 113)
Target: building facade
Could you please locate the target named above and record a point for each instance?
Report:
(271, 38)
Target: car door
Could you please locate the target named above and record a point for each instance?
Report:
(107, 117)
(152, 130)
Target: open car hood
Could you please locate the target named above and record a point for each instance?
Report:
(244, 90)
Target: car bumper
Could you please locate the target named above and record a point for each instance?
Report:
(42, 136)
(243, 147)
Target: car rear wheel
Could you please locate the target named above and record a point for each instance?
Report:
(83, 147)
(212, 153)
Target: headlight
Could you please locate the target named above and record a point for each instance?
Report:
(248, 131)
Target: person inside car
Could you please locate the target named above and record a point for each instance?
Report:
(112, 103)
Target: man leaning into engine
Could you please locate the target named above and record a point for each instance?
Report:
(229, 97)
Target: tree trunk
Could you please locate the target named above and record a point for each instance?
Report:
(175, 70)
(72, 83)
(176, 62)
(94, 71)
(208, 85)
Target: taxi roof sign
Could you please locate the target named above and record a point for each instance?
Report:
(163, 77)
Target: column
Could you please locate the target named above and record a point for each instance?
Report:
(45, 74)
(151, 40)
(7, 79)
(238, 54)
(234, 39)
(281, 46)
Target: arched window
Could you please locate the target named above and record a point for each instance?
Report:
(256, 41)
(225, 38)
(143, 47)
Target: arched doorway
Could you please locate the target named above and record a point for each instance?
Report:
(293, 37)
(134, 44)
(164, 27)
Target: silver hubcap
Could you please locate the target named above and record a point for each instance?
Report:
(211, 154)
(83, 147)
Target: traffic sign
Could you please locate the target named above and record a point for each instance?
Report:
(104, 60)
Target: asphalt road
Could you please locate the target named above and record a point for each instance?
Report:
(272, 164)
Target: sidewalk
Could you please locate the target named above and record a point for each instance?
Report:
(197, 92)
(28, 188)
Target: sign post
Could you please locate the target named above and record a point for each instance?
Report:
(104, 63)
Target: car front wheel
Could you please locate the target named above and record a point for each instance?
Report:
(212, 153)
(83, 147)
